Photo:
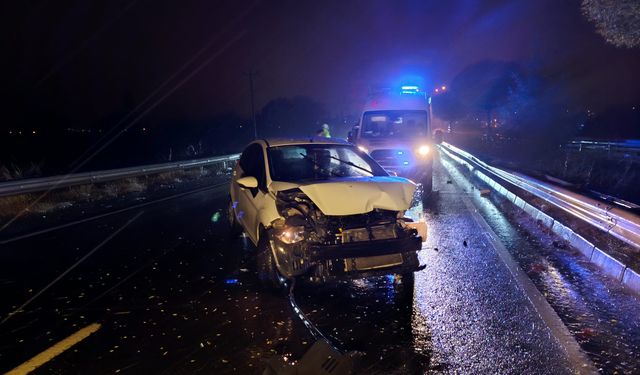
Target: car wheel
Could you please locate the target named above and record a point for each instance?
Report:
(234, 227)
(265, 264)
(404, 287)
(427, 188)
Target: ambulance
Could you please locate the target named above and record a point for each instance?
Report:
(395, 130)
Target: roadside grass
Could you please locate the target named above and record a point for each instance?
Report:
(619, 177)
(63, 198)
(13, 171)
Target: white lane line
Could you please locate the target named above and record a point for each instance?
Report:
(71, 268)
(54, 351)
(62, 226)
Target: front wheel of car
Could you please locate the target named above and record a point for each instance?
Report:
(235, 229)
(427, 188)
(265, 264)
(404, 286)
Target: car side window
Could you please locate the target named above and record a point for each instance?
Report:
(245, 160)
(252, 164)
(260, 173)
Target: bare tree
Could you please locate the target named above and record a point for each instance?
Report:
(618, 21)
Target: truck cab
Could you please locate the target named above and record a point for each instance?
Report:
(395, 129)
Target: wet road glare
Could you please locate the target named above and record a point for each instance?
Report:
(601, 313)
(175, 295)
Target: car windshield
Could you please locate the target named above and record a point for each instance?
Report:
(394, 124)
(320, 162)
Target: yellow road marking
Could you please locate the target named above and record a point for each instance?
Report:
(54, 351)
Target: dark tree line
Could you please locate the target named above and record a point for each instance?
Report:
(617, 21)
(507, 99)
(299, 116)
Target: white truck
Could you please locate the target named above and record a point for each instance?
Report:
(395, 129)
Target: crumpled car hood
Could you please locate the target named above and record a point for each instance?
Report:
(357, 195)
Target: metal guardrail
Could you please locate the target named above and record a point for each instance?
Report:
(619, 223)
(39, 184)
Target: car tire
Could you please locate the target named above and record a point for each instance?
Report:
(235, 229)
(404, 288)
(265, 264)
(427, 188)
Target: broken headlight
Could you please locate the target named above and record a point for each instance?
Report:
(290, 235)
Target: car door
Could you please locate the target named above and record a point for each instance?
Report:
(251, 200)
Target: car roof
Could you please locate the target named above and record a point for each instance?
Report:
(275, 142)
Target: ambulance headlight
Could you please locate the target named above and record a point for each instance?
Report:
(423, 150)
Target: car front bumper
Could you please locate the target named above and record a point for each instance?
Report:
(364, 248)
(364, 259)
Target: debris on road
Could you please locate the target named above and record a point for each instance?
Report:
(321, 358)
(559, 245)
(485, 192)
(538, 268)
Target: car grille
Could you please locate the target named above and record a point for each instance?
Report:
(392, 158)
(378, 232)
(372, 263)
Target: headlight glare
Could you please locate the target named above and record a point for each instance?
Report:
(363, 149)
(423, 150)
(290, 235)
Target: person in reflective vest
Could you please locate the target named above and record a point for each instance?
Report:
(324, 131)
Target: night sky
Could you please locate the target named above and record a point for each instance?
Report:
(81, 62)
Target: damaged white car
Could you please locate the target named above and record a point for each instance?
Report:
(324, 210)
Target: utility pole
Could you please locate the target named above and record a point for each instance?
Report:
(250, 74)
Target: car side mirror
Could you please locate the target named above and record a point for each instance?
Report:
(350, 137)
(248, 182)
(438, 137)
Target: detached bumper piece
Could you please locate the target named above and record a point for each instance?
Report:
(366, 258)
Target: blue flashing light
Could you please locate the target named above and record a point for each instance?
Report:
(410, 89)
(391, 278)
(231, 281)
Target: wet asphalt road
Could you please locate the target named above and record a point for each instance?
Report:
(175, 294)
(600, 313)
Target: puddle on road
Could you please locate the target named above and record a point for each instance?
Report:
(603, 316)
